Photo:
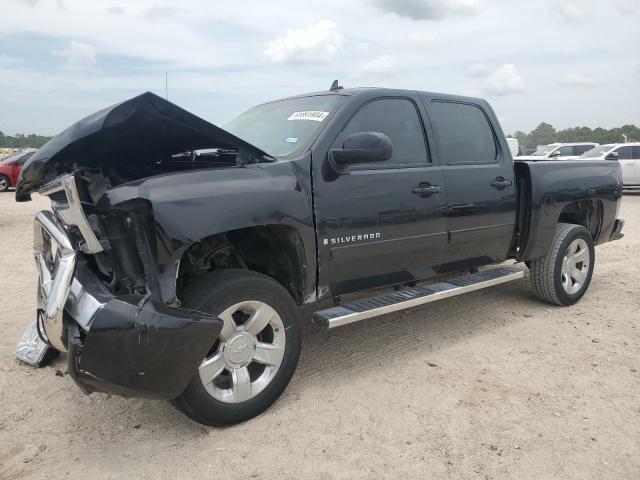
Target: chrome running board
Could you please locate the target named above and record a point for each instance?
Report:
(362, 309)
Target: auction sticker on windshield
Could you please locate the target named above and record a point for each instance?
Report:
(315, 115)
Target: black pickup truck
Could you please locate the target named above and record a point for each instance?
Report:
(176, 253)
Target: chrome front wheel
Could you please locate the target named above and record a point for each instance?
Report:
(256, 352)
(248, 353)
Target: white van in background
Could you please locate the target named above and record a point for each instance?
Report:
(628, 154)
(560, 151)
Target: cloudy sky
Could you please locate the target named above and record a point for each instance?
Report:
(567, 62)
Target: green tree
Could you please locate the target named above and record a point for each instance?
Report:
(543, 134)
(23, 141)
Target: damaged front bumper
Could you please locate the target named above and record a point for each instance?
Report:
(128, 345)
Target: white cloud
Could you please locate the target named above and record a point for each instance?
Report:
(78, 54)
(479, 70)
(162, 12)
(573, 79)
(504, 80)
(317, 42)
(429, 9)
(115, 10)
(380, 65)
(627, 7)
(423, 39)
(573, 10)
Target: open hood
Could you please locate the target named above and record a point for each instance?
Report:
(129, 140)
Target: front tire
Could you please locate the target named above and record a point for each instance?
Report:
(563, 275)
(256, 354)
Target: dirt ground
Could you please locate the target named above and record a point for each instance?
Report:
(491, 385)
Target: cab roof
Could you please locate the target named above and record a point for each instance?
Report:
(380, 91)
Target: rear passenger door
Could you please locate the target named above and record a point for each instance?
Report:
(479, 177)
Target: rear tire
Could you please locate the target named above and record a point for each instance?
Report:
(256, 354)
(5, 183)
(563, 275)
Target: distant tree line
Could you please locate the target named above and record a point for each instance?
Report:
(22, 141)
(545, 134)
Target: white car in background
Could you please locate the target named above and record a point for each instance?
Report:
(560, 151)
(514, 146)
(628, 154)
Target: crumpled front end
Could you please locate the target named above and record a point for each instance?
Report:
(117, 341)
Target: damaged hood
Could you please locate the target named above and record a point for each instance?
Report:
(131, 136)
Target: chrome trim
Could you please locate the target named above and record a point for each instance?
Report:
(414, 302)
(50, 242)
(57, 287)
(82, 306)
(72, 212)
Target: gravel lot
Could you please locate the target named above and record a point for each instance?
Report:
(491, 385)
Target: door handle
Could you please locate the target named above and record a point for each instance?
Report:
(501, 182)
(426, 189)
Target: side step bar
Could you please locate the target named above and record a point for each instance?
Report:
(362, 309)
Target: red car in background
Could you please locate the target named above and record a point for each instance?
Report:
(10, 169)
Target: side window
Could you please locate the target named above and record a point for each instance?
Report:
(580, 149)
(398, 119)
(464, 133)
(636, 153)
(625, 153)
(565, 151)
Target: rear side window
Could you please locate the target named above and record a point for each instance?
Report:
(464, 133)
(565, 151)
(625, 153)
(398, 119)
(580, 149)
(636, 153)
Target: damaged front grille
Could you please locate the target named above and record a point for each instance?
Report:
(66, 203)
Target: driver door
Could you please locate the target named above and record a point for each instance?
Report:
(383, 223)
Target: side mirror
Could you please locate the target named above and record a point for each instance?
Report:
(555, 154)
(612, 156)
(365, 147)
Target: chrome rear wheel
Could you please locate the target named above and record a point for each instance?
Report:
(575, 266)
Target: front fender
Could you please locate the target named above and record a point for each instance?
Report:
(190, 206)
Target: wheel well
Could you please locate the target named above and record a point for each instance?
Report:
(587, 213)
(274, 250)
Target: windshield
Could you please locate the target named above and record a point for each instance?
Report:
(597, 151)
(284, 127)
(544, 151)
